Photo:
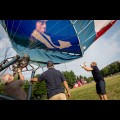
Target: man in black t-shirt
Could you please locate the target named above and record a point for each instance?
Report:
(100, 82)
(54, 79)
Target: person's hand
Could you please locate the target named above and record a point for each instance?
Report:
(83, 64)
(33, 80)
(68, 94)
(19, 70)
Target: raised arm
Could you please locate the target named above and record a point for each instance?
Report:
(20, 74)
(87, 68)
(34, 79)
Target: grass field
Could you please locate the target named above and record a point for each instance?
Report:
(88, 91)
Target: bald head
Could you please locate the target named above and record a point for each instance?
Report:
(6, 78)
(93, 64)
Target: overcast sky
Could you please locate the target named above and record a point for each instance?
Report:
(104, 51)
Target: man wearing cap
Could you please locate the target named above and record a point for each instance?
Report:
(54, 79)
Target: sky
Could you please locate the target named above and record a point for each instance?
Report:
(104, 51)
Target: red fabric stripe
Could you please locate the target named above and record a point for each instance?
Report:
(104, 29)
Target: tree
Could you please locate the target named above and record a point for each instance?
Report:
(90, 79)
(105, 71)
(1, 88)
(39, 89)
(70, 77)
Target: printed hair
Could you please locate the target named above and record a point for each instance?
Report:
(42, 21)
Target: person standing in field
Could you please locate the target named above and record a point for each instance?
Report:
(100, 82)
(55, 83)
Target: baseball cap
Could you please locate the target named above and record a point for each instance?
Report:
(50, 63)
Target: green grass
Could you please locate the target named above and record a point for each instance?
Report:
(88, 91)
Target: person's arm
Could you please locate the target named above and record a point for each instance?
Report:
(34, 79)
(67, 88)
(39, 78)
(20, 74)
(86, 68)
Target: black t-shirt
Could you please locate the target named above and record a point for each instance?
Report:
(96, 74)
(53, 79)
(14, 89)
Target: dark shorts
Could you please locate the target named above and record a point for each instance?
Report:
(100, 87)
